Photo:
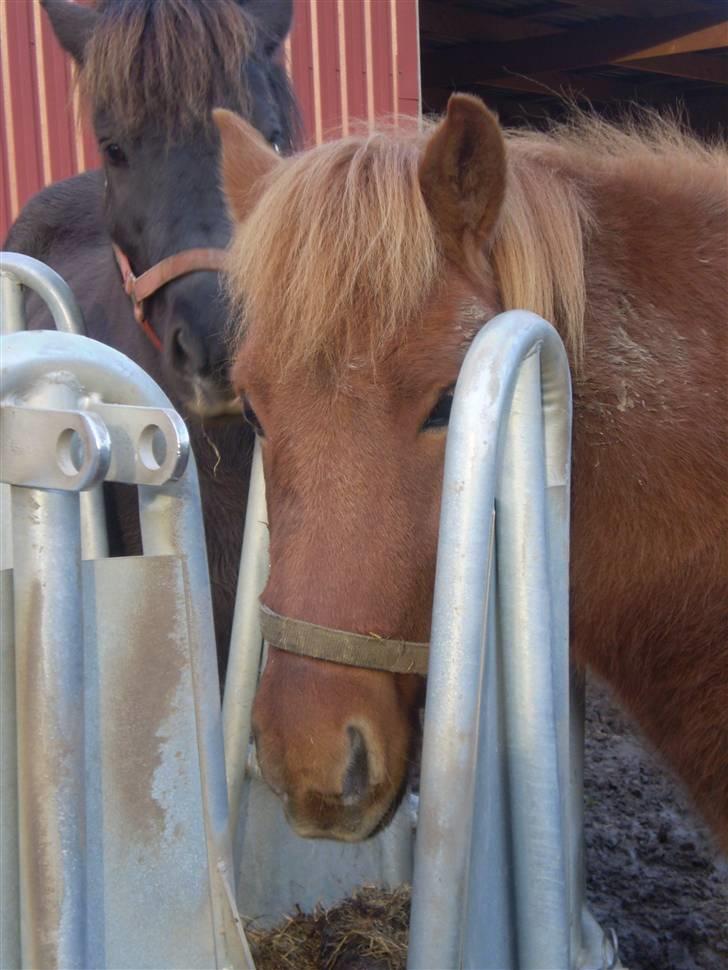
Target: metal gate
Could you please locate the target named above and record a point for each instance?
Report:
(115, 831)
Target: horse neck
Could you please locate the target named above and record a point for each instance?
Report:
(649, 397)
(659, 231)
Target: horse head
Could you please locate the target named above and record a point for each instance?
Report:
(355, 322)
(151, 72)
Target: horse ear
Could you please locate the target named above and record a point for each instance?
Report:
(72, 24)
(273, 18)
(246, 157)
(463, 174)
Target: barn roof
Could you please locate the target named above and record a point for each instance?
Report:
(520, 55)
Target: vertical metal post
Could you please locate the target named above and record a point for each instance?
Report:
(11, 302)
(11, 320)
(10, 953)
(246, 640)
(536, 728)
(49, 685)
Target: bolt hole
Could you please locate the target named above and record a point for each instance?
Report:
(70, 452)
(152, 447)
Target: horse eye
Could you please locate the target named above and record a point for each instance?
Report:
(251, 417)
(440, 414)
(115, 154)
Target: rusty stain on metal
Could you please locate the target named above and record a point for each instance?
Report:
(147, 690)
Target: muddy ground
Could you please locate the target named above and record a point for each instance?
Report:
(653, 873)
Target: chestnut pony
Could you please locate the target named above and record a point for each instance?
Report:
(368, 265)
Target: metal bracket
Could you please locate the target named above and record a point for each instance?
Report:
(106, 442)
(149, 446)
(79, 443)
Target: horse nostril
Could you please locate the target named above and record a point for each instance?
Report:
(356, 776)
(187, 351)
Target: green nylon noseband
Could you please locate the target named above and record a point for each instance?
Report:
(340, 647)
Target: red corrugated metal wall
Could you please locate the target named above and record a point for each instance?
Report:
(349, 59)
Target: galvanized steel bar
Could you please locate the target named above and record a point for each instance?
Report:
(245, 641)
(50, 727)
(11, 301)
(10, 950)
(535, 676)
(452, 759)
(11, 320)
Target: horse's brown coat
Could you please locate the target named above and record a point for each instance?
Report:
(619, 237)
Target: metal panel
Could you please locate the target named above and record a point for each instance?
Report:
(279, 871)
(148, 886)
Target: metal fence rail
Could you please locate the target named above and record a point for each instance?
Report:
(116, 834)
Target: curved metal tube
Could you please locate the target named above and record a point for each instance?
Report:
(16, 271)
(508, 449)
(50, 287)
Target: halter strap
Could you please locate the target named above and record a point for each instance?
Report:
(337, 646)
(138, 288)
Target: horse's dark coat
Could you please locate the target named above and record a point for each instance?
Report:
(165, 199)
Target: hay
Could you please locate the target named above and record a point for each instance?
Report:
(366, 932)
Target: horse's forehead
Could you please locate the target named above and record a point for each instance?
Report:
(429, 353)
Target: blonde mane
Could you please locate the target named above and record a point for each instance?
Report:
(340, 255)
(340, 249)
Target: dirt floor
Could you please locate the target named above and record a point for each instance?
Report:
(652, 872)
(653, 875)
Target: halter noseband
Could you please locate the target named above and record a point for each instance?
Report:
(138, 288)
(337, 646)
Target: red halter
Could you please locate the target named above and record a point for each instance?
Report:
(138, 288)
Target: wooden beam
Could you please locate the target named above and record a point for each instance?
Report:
(709, 38)
(697, 67)
(635, 8)
(585, 46)
(569, 85)
(446, 22)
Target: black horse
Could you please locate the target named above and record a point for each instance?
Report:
(152, 70)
